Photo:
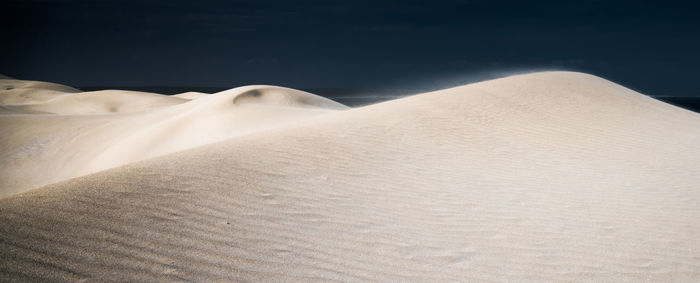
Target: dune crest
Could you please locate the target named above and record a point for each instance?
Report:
(552, 176)
(271, 95)
(191, 95)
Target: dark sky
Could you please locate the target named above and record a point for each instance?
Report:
(649, 46)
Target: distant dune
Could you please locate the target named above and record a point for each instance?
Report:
(190, 95)
(62, 135)
(551, 176)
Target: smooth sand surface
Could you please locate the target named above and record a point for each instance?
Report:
(552, 176)
(190, 95)
(17, 92)
(74, 134)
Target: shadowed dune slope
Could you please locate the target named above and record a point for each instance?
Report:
(36, 150)
(541, 177)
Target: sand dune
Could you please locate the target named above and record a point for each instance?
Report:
(43, 149)
(23, 92)
(191, 95)
(100, 102)
(551, 176)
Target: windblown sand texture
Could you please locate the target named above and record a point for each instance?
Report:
(552, 176)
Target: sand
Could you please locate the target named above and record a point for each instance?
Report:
(77, 133)
(552, 176)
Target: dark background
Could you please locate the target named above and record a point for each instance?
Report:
(407, 45)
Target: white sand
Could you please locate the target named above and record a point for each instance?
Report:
(191, 95)
(17, 92)
(74, 134)
(551, 176)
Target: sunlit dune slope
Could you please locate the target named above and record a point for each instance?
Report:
(22, 92)
(191, 95)
(551, 176)
(101, 102)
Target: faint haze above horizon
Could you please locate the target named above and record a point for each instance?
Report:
(649, 46)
